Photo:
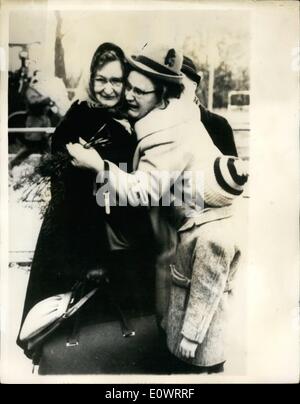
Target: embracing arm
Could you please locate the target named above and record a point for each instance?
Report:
(161, 162)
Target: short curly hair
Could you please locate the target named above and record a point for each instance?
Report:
(166, 90)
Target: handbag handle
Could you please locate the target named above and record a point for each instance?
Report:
(81, 302)
(72, 340)
(35, 341)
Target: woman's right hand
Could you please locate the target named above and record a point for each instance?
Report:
(85, 158)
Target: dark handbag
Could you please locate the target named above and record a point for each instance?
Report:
(104, 338)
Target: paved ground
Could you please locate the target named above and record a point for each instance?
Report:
(19, 368)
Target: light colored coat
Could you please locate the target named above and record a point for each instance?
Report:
(171, 140)
(208, 255)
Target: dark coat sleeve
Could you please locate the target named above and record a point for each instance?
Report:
(64, 133)
(220, 131)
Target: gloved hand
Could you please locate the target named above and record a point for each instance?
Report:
(96, 275)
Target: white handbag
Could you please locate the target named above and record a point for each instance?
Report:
(43, 314)
(48, 312)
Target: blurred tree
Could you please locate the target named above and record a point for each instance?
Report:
(223, 84)
(202, 91)
(225, 81)
(242, 80)
(60, 69)
(231, 60)
(70, 81)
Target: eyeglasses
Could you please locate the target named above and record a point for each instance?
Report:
(114, 81)
(137, 92)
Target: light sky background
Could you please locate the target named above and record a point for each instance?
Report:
(83, 31)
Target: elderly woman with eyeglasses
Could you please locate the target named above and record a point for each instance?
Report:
(78, 240)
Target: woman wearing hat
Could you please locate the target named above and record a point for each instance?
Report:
(171, 142)
(77, 239)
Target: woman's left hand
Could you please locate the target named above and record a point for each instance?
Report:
(85, 158)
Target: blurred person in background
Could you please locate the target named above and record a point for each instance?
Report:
(217, 126)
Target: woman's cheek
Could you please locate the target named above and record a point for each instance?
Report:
(120, 93)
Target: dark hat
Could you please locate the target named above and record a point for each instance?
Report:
(161, 62)
(189, 69)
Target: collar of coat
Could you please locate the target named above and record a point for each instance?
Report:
(207, 215)
(178, 111)
(237, 209)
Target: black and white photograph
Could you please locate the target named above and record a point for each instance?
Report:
(149, 190)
